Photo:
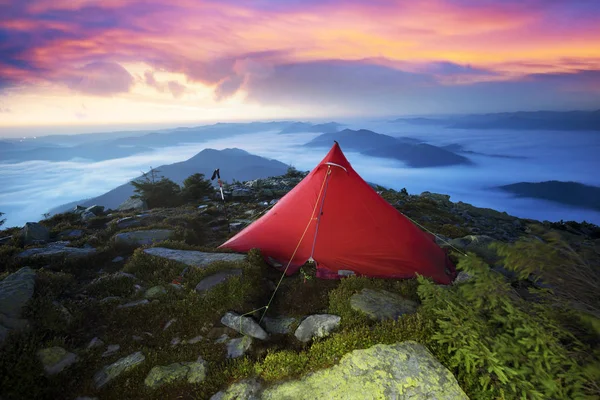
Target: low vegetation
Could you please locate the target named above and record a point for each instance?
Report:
(534, 334)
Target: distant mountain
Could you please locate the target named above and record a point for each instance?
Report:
(201, 134)
(349, 139)
(233, 163)
(419, 155)
(92, 151)
(567, 193)
(411, 151)
(300, 127)
(522, 120)
(421, 121)
(118, 145)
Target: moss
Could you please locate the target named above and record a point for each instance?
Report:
(153, 270)
(120, 286)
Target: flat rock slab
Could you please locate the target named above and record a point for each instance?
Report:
(244, 325)
(143, 238)
(194, 258)
(319, 325)
(213, 280)
(193, 372)
(110, 372)
(56, 359)
(404, 370)
(382, 305)
(57, 249)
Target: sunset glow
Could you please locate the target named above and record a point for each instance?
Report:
(86, 61)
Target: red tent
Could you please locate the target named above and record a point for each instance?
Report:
(336, 219)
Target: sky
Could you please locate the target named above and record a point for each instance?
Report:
(78, 62)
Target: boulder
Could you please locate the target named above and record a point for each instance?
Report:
(15, 291)
(142, 238)
(404, 370)
(56, 359)
(57, 250)
(244, 325)
(110, 372)
(278, 325)
(213, 280)
(133, 204)
(34, 232)
(319, 325)
(238, 347)
(128, 222)
(95, 209)
(194, 258)
(193, 372)
(381, 304)
(87, 215)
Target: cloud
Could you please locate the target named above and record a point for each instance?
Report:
(240, 44)
(376, 89)
(100, 79)
(177, 89)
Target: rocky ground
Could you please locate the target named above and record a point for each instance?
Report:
(138, 304)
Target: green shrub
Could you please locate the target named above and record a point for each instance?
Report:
(499, 346)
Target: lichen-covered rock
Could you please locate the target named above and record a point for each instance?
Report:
(213, 280)
(56, 359)
(193, 258)
(193, 372)
(244, 325)
(110, 372)
(143, 238)
(247, 389)
(319, 325)
(34, 232)
(238, 347)
(399, 371)
(278, 325)
(155, 291)
(382, 305)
